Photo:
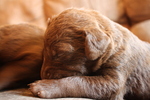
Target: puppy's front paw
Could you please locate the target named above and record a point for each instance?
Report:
(46, 88)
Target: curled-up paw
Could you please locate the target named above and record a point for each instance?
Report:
(46, 88)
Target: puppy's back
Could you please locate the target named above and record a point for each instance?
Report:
(18, 39)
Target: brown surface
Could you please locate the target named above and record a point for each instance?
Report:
(137, 10)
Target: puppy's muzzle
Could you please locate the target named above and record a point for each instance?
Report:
(57, 73)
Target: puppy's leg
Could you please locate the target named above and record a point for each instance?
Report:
(106, 87)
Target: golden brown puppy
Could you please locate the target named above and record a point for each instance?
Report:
(88, 55)
(20, 54)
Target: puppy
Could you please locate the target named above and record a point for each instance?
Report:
(88, 55)
(21, 48)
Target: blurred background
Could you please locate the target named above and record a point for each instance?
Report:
(133, 14)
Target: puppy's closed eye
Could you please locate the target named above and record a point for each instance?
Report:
(62, 48)
(66, 47)
(62, 51)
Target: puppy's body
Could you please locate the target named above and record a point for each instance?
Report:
(88, 55)
(20, 54)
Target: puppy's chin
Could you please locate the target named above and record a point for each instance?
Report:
(58, 73)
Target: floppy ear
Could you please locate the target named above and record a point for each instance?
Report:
(96, 43)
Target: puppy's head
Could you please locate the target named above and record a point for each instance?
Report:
(74, 41)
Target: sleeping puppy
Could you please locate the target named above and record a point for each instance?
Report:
(21, 48)
(88, 55)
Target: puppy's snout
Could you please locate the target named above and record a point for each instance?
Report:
(52, 73)
(55, 73)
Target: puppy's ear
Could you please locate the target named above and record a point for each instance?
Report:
(96, 43)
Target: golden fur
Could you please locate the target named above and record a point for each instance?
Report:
(21, 48)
